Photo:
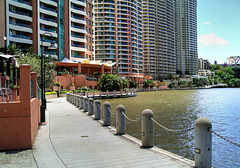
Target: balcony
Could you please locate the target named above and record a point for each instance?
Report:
(21, 4)
(20, 27)
(48, 21)
(50, 2)
(20, 39)
(44, 30)
(79, 2)
(48, 11)
(78, 10)
(78, 19)
(78, 38)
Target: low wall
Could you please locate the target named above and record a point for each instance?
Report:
(78, 80)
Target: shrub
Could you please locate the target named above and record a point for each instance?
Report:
(63, 92)
(47, 93)
(70, 91)
(53, 93)
(84, 88)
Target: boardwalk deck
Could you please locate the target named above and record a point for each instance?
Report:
(80, 141)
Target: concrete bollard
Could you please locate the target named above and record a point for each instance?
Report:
(85, 104)
(147, 128)
(78, 101)
(81, 103)
(87, 94)
(106, 114)
(75, 100)
(107, 93)
(203, 143)
(121, 93)
(114, 93)
(93, 94)
(126, 92)
(120, 120)
(131, 92)
(100, 93)
(97, 109)
(71, 98)
(90, 106)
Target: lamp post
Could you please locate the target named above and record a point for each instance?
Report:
(43, 106)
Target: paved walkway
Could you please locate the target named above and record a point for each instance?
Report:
(72, 139)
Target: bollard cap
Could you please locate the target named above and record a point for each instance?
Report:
(203, 121)
(97, 101)
(147, 112)
(106, 104)
(91, 99)
(120, 107)
(85, 97)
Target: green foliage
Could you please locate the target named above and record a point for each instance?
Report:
(47, 93)
(49, 90)
(215, 67)
(54, 93)
(151, 83)
(200, 82)
(133, 84)
(35, 62)
(110, 82)
(63, 92)
(146, 83)
(71, 84)
(125, 83)
(225, 75)
(170, 76)
(234, 82)
(70, 91)
(84, 88)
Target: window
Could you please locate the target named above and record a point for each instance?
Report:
(86, 56)
(90, 49)
(89, 22)
(89, 39)
(89, 30)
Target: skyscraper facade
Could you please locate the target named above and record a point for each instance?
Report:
(29, 23)
(159, 38)
(186, 36)
(118, 35)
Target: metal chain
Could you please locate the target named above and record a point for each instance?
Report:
(111, 111)
(220, 136)
(100, 107)
(171, 130)
(139, 119)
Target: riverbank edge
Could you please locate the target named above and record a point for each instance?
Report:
(155, 149)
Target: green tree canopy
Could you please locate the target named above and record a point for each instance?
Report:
(133, 84)
(125, 83)
(110, 82)
(214, 67)
(35, 62)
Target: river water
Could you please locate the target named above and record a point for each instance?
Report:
(179, 109)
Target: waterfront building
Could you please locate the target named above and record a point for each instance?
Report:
(118, 35)
(203, 64)
(24, 23)
(159, 38)
(186, 36)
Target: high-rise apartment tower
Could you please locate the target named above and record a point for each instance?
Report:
(118, 35)
(29, 23)
(159, 38)
(186, 36)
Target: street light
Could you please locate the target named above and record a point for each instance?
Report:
(5, 45)
(43, 106)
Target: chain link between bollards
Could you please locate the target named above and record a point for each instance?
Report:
(171, 130)
(139, 119)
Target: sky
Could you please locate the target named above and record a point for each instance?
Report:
(218, 29)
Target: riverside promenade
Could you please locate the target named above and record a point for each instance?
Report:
(70, 138)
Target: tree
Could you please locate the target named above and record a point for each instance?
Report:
(152, 84)
(133, 84)
(215, 67)
(110, 82)
(35, 62)
(125, 83)
(146, 83)
(170, 76)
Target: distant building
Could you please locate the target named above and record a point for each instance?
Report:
(203, 64)
(206, 73)
(215, 62)
(186, 36)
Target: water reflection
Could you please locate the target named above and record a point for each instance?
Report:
(180, 110)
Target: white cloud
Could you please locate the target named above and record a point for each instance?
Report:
(207, 23)
(211, 39)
